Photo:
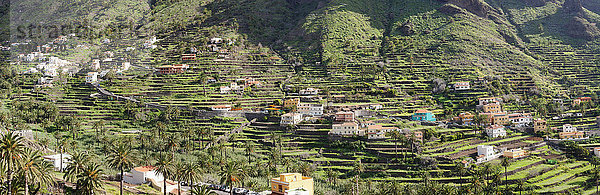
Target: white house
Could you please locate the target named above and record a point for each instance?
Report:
(45, 80)
(366, 124)
(125, 66)
(233, 87)
(290, 119)
(310, 109)
(597, 151)
(567, 128)
(348, 128)
(56, 161)
(309, 91)
(485, 150)
(495, 131)
(140, 175)
(96, 64)
(31, 71)
(376, 107)
(221, 108)
(520, 119)
(378, 131)
(464, 85)
(225, 89)
(92, 77)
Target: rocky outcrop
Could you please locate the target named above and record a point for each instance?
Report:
(407, 28)
(573, 6)
(579, 27)
(477, 7)
(535, 3)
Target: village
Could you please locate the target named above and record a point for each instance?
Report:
(331, 125)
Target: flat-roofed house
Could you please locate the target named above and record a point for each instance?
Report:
(173, 69)
(290, 119)
(495, 131)
(462, 85)
(488, 100)
(515, 153)
(287, 182)
(310, 109)
(344, 116)
(423, 115)
(539, 125)
(346, 129)
(92, 77)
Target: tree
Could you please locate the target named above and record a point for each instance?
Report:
(76, 166)
(395, 135)
(89, 182)
(460, 170)
(192, 172)
(179, 170)
(596, 176)
(164, 166)
(98, 126)
(11, 148)
(232, 174)
(120, 158)
(359, 168)
(505, 163)
(202, 190)
(69, 124)
(34, 169)
(249, 149)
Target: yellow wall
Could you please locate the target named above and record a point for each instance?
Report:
(304, 182)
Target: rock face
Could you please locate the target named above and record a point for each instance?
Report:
(573, 6)
(579, 27)
(407, 28)
(476, 7)
(535, 3)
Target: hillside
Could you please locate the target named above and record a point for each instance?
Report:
(493, 37)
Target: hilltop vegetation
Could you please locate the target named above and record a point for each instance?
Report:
(493, 37)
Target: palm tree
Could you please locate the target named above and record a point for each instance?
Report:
(164, 166)
(505, 163)
(89, 181)
(120, 158)
(202, 78)
(76, 166)
(249, 148)
(34, 169)
(202, 190)
(11, 148)
(596, 176)
(179, 170)
(231, 174)
(192, 172)
(98, 126)
(395, 135)
(460, 170)
(359, 168)
(520, 185)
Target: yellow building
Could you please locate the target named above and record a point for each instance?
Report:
(290, 181)
(291, 103)
(492, 108)
(539, 125)
(515, 153)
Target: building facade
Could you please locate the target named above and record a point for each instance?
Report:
(423, 115)
(291, 181)
(290, 119)
(495, 131)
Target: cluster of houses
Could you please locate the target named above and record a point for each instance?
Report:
(239, 85)
(487, 153)
(495, 118)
